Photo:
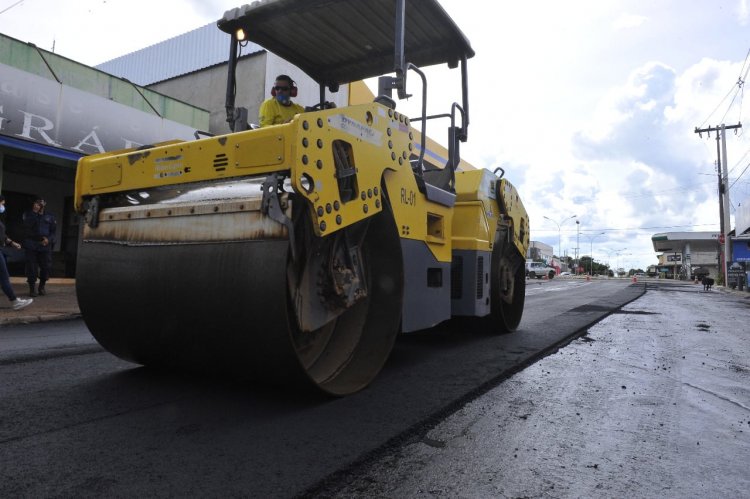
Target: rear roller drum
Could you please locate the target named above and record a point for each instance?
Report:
(507, 291)
(507, 294)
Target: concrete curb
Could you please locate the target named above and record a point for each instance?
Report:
(31, 319)
(59, 304)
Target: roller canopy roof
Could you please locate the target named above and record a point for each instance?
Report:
(339, 41)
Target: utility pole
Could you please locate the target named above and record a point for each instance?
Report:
(721, 166)
(578, 245)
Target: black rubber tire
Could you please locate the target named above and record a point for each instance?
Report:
(507, 301)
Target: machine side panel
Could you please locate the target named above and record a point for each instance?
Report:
(514, 209)
(418, 218)
(250, 153)
(470, 283)
(427, 285)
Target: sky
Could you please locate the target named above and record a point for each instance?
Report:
(590, 107)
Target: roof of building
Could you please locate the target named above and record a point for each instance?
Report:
(197, 49)
(668, 241)
(29, 62)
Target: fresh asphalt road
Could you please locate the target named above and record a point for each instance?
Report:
(76, 421)
(652, 402)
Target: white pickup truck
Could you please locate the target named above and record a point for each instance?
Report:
(538, 270)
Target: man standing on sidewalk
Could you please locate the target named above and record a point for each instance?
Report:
(40, 239)
(16, 303)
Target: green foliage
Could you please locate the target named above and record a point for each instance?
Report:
(597, 268)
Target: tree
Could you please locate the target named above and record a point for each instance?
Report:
(596, 268)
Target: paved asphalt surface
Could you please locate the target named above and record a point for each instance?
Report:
(90, 424)
(652, 402)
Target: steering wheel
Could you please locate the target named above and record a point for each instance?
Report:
(321, 106)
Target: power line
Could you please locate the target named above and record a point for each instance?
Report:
(741, 160)
(741, 174)
(613, 229)
(737, 87)
(8, 8)
(693, 187)
(743, 79)
(740, 91)
(717, 107)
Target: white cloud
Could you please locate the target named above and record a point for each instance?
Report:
(629, 21)
(629, 121)
(703, 93)
(640, 168)
(743, 13)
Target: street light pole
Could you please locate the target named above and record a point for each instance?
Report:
(591, 250)
(559, 237)
(618, 257)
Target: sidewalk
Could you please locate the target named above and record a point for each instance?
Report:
(58, 304)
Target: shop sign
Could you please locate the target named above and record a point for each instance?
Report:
(40, 110)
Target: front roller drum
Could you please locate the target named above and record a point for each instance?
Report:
(225, 307)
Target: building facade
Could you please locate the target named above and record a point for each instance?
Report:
(681, 254)
(538, 251)
(52, 112)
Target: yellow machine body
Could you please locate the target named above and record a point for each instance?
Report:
(378, 140)
(297, 252)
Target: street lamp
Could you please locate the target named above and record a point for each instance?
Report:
(559, 237)
(591, 250)
(617, 252)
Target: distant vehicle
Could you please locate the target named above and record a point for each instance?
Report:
(537, 270)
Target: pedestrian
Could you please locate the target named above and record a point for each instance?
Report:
(40, 239)
(16, 303)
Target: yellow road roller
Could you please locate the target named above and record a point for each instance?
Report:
(296, 253)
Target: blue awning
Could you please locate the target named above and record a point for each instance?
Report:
(741, 250)
(37, 148)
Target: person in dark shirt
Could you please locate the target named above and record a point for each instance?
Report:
(40, 239)
(16, 303)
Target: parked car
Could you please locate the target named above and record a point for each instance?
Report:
(537, 270)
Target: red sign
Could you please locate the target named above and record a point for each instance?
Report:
(721, 239)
